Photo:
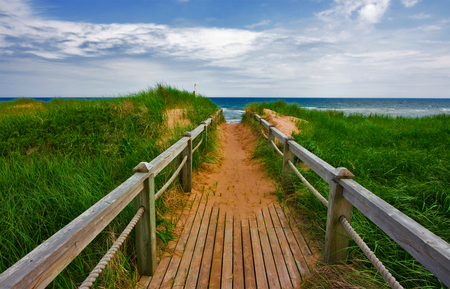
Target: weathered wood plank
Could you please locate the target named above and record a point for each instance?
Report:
(336, 237)
(322, 168)
(179, 249)
(227, 271)
(278, 134)
(161, 161)
(238, 259)
(265, 123)
(249, 269)
(165, 260)
(146, 229)
(430, 250)
(216, 267)
(271, 270)
(306, 251)
(186, 171)
(180, 277)
(289, 258)
(260, 270)
(205, 269)
(198, 130)
(192, 278)
(288, 172)
(295, 248)
(283, 273)
(43, 264)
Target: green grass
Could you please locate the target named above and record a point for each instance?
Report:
(59, 158)
(405, 161)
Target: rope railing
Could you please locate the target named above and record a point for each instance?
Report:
(172, 178)
(197, 146)
(264, 135)
(370, 255)
(308, 185)
(277, 150)
(112, 251)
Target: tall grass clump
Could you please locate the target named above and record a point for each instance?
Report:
(404, 161)
(57, 159)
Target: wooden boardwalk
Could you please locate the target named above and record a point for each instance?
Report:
(219, 249)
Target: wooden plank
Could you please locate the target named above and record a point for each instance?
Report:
(143, 282)
(306, 251)
(336, 237)
(430, 250)
(216, 267)
(146, 229)
(288, 172)
(186, 170)
(227, 271)
(265, 124)
(205, 268)
(278, 134)
(293, 244)
(291, 263)
(271, 270)
(238, 260)
(198, 130)
(283, 273)
(322, 168)
(260, 270)
(38, 268)
(165, 260)
(171, 271)
(161, 161)
(247, 253)
(192, 278)
(183, 270)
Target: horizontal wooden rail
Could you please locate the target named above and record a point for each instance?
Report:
(39, 267)
(429, 249)
(172, 178)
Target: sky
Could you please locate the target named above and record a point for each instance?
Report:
(245, 48)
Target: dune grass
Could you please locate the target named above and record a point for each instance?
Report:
(405, 161)
(59, 158)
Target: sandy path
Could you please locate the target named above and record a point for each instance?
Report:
(237, 184)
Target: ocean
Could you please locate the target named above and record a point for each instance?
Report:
(406, 107)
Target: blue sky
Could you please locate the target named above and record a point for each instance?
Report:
(296, 48)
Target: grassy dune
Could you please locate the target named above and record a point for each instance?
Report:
(59, 158)
(405, 161)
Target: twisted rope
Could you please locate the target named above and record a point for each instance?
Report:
(171, 178)
(310, 187)
(277, 150)
(197, 146)
(112, 251)
(377, 263)
(264, 135)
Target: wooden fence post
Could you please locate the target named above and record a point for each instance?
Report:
(186, 171)
(336, 237)
(270, 136)
(287, 180)
(146, 229)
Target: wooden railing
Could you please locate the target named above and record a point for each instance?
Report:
(45, 262)
(344, 194)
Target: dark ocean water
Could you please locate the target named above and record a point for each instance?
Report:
(407, 107)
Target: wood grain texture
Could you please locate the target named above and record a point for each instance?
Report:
(227, 271)
(247, 253)
(205, 268)
(238, 258)
(278, 134)
(216, 267)
(43, 264)
(260, 269)
(430, 250)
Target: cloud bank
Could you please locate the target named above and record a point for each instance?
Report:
(339, 53)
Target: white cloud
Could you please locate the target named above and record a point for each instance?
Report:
(410, 3)
(261, 23)
(420, 16)
(369, 11)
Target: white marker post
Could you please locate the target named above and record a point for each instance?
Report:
(195, 90)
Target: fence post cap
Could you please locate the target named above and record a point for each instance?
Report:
(343, 173)
(188, 134)
(271, 125)
(289, 137)
(141, 168)
(203, 122)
